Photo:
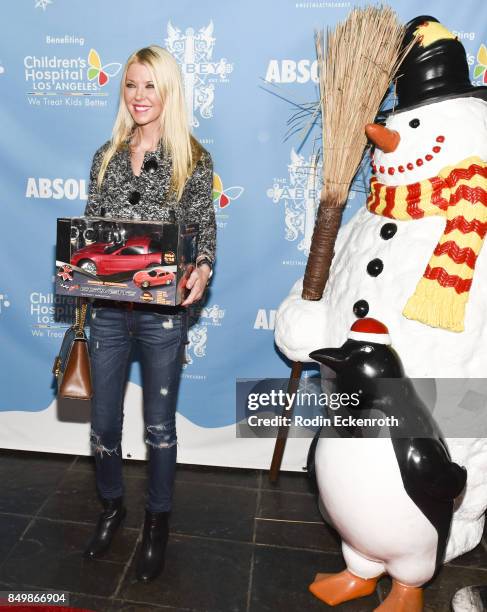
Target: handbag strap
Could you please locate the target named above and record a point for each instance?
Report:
(80, 315)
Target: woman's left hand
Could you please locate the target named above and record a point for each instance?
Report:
(197, 284)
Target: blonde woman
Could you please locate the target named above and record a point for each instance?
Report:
(151, 169)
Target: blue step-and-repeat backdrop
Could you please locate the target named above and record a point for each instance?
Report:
(247, 66)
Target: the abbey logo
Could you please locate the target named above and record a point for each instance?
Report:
(212, 315)
(4, 302)
(300, 195)
(209, 316)
(76, 81)
(196, 347)
(201, 72)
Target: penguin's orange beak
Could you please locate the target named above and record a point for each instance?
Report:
(385, 139)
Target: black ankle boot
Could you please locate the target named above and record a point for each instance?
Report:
(108, 522)
(150, 561)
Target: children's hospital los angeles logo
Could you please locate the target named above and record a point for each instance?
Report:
(223, 196)
(300, 195)
(68, 81)
(101, 73)
(50, 314)
(193, 49)
(480, 70)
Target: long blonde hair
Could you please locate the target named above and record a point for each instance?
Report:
(175, 135)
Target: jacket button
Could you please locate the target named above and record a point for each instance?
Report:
(388, 230)
(375, 267)
(361, 309)
(151, 165)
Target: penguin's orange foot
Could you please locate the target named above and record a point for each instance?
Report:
(402, 598)
(334, 589)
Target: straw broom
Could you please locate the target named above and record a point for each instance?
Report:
(355, 70)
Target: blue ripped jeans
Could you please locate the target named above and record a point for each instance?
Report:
(160, 339)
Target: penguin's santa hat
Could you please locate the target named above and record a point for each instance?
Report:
(369, 330)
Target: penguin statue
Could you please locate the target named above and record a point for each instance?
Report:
(390, 498)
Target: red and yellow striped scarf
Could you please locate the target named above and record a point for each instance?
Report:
(458, 193)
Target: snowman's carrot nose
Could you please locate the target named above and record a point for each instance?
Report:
(387, 140)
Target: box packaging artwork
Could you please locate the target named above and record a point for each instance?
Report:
(116, 259)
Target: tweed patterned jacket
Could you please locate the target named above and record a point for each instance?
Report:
(156, 202)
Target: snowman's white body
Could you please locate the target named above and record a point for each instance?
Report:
(303, 326)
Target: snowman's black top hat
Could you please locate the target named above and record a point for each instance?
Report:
(435, 68)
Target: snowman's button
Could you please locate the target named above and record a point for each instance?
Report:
(388, 230)
(361, 309)
(375, 267)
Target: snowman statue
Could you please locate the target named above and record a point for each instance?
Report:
(412, 257)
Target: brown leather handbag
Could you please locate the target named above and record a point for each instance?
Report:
(72, 366)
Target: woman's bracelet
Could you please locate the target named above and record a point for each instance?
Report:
(203, 259)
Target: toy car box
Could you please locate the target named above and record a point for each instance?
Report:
(134, 261)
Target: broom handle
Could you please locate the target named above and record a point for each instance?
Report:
(282, 434)
(322, 248)
(315, 278)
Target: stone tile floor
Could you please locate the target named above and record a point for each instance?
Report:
(238, 543)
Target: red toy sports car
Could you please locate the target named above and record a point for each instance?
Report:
(114, 257)
(153, 277)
